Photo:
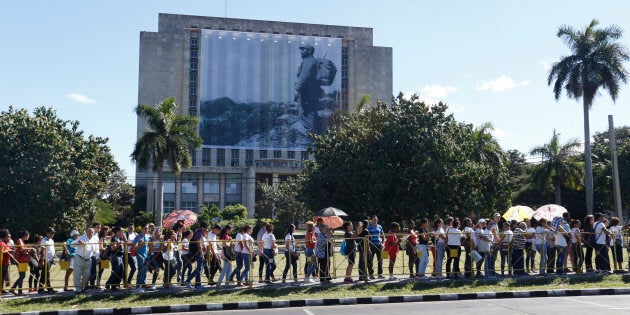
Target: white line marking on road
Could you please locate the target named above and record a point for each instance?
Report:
(591, 303)
(308, 312)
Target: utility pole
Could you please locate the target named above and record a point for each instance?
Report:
(615, 169)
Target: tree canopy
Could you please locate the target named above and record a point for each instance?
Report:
(406, 160)
(51, 173)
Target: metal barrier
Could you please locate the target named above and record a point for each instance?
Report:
(175, 269)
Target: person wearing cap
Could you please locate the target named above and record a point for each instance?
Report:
(48, 253)
(69, 251)
(307, 87)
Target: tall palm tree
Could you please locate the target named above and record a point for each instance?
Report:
(168, 138)
(487, 149)
(596, 61)
(559, 166)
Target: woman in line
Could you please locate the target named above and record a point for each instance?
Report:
(168, 256)
(311, 259)
(104, 237)
(267, 247)
(186, 259)
(22, 255)
(238, 256)
(226, 244)
(68, 251)
(116, 260)
(469, 246)
(410, 249)
(454, 243)
(616, 235)
(541, 244)
(589, 241)
(34, 264)
(423, 247)
(156, 258)
(530, 249)
(392, 244)
(362, 233)
(323, 252)
(290, 254)
(576, 246)
(350, 250)
(440, 246)
(505, 249)
(247, 252)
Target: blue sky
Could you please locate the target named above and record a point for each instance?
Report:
(486, 59)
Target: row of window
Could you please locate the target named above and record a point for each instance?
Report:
(169, 206)
(193, 77)
(235, 155)
(211, 184)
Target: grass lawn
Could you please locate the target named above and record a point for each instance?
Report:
(103, 300)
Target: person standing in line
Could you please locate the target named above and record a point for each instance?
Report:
(530, 249)
(602, 263)
(505, 248)
(226, 246)
(238, 256)
(376, 246)
(291, 254)
(589, 241)
(323, 253)
(85, 249)
(496, 219)
(454, 242)
(213, 253)
(350, 250)
(423, 247)
(168, 257)
(541, 244)
(141, 243)
(104, 238)
(116, 260)
(560, 243)
(177, 229)
(268, 248)
(469, 246)
(155, 258)
(481, 244)
(131, 263)
(311, 259)
(22, 255)
(247, 250)
(518, 246)
(195, 253)
(48, 255)
(410, 249)
(616, 241)
(576, 246)
(261, 261)
(185, 254)
(69, 250)
(7, 252)
(96, 226)
(34, 265)
(392, 247)
(440, 246)
(362, 233)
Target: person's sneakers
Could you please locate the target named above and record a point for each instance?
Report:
(392, 278)
(199, 287)
(188, 286)
(138, 290)
(348, 281)
(372, 277)
(381, 277)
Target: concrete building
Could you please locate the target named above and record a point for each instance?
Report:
(206, 64)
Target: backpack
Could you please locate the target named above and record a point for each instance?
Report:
(342, 249)
(326, 71)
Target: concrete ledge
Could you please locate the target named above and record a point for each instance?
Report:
(329, 302)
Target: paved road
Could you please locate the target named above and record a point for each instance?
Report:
(591, 305)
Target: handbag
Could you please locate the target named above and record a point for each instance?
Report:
(342, 249)
(228, 253)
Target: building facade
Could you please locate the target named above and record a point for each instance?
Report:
(258, 89)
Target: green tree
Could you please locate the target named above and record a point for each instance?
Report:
(405, 160)
(51, 172)
(119, 195)
(234, 213)
(602, 168)
(596, 61)
(283, 201)
(559, 167)
(169, 138)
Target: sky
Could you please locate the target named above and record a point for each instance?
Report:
(487, 59)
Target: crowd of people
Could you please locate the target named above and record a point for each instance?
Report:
(182, 256)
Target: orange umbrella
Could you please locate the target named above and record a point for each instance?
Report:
(187, 216)
(332, 222)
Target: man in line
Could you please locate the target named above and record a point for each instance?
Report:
(141, 243)
(376, 246)
(131, 257)
(601, 248)
(195, 252)
(85, 250)
(48, 252)
(96, 258)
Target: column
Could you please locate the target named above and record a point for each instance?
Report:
(249, 191)
(221, 190)
(199, 190)
(178, 191)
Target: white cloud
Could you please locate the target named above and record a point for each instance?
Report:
(437, 91)
(500, 84)
(545, 64)
(81, 98)
(501, 133)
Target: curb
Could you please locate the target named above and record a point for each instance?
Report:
(330, 302)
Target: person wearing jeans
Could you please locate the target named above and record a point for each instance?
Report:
(142, 254)
(422, 249)
(376, 246)
(440, 245)
(195, 252)
(268, 246)
(247, 250)
(116, 260)
(541, 243)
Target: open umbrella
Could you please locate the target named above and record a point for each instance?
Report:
(332, 222)
(188, 216)
(518, 213)
(548, 212)
(329, 212)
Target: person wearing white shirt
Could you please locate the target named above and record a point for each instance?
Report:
(238, 256)
(560, 242)
(247, 251)
(130, 235)
(48, 252)
(454, 242)
(601, 248)
(268, 247)
(541, 244)
(530, 249)
(505, 248)
(616, 241)
(290, 254)
(576, 246)
(440, 246)
(487, 238)
(480, 244)
(83, 259)
(469, 246)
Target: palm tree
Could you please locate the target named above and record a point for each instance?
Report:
(596, 61)
(559, 167)
(169, 138)
(487, 149)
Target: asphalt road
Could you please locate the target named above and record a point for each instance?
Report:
(591, 305)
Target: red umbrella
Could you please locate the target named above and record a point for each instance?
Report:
(548, 212)
(332, 222)
(187, 216)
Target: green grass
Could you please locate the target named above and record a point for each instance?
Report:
(103, 300)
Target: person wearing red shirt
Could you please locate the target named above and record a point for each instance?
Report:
(392, 247)
(5, 236)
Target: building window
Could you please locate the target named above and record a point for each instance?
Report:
(193, 157)
(344, 74)
(189, 183)
(344, 51)
(232, 189)
(221, 157)
(277, 154)
(344, 85)
(192, 102)
(291, 154)
(169, 206)
(304, 155)
(193, 90)
(344, 61)
(192, 112)
(344, 97)
(249, 158)
(194, 41)
(211, 183)
(262, 154)
(193, 53)
(205, 156)
(193, 66)
(169, 183)
(193, 78)
(235, 157)
(189, 205)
